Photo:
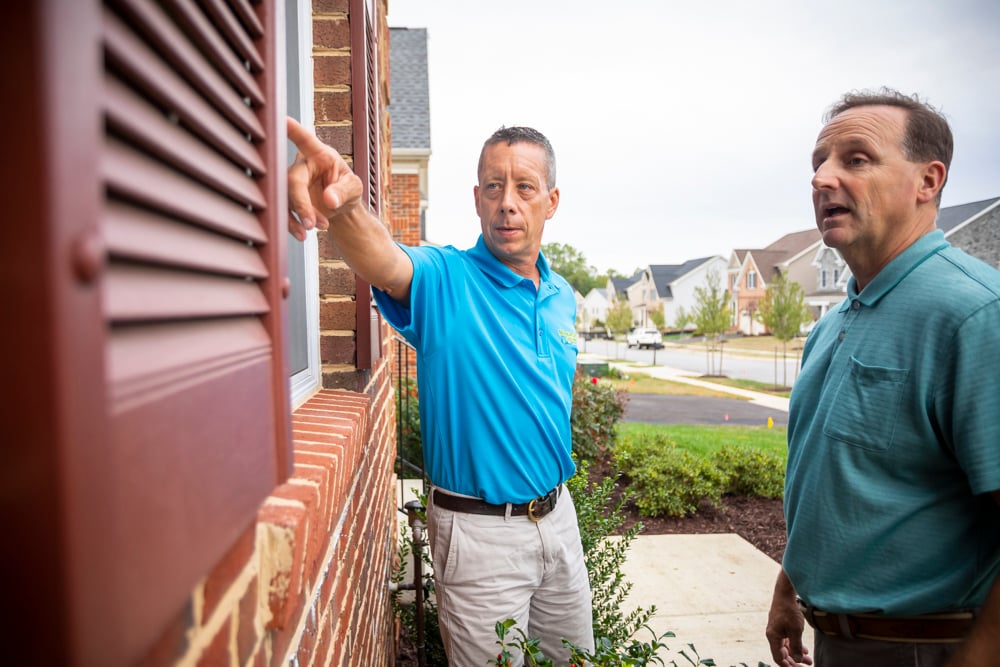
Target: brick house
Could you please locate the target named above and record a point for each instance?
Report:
(198, 415)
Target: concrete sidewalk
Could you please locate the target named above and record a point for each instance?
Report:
(712, 591)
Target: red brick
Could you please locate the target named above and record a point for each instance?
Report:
(331, 33)
(247, 640)
(330, 6)
(339, 137)
(338, 315)
(336, 279)
(337, 349)
(332, 69)
(229, 569)
(332, 106)
(217, 652)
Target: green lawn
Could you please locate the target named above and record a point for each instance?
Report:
(705, 440)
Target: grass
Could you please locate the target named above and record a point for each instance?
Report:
(752, 385)
(704, 441)
(640, 383)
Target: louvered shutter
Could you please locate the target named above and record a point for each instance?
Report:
(367, 157)
(157, 147)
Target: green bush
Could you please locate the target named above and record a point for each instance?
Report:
(665, 479)
(751, 472)
(597, 408)
(669, 480)
(600, 517)
(409, 445)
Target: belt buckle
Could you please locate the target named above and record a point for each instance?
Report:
(531, 510)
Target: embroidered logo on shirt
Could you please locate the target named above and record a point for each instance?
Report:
(569, 337)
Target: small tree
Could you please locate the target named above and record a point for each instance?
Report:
(711, 316)
(619, 316)
(683, 319)
(656, 316)
(783, 311)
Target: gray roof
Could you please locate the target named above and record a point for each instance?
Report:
(409, 97)
(952, 216)
(665, 274)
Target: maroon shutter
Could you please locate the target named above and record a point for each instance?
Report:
(156, 200)
(367, 157)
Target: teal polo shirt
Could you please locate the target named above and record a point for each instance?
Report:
(495, 366)
(894, 441)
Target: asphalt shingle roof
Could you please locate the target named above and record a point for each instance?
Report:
(952, 216)
(409, 97)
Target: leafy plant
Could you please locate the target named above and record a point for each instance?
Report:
(751, 472)
(597, 408)
(666, 479)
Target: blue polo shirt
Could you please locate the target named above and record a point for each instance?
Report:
(495, 366)
(894, 441)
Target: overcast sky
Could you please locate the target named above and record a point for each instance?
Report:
(684, 129)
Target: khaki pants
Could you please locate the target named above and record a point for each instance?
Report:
(491, 568)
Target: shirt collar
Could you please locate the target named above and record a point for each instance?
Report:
(501, 273)
(894, 272)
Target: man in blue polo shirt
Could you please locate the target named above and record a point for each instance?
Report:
(494, 330)
(891, 495)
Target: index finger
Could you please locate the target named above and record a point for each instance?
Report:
(304, 140)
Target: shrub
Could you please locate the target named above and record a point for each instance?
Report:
(409, 445)
(597, 408)
(751, 472)
(600, 517)
(666, 479)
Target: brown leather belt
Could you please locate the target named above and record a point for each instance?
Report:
(945, 628)
(534, 509)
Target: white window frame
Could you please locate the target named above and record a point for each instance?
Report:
(303, 384)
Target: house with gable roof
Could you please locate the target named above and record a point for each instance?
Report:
(671, 286)
(750, 271)
(409, 111)
(822, 272)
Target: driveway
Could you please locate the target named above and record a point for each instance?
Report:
(658, 409)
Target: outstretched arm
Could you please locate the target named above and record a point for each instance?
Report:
(785, 625)
(324, 193)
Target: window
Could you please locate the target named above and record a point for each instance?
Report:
(751, 280)
(303, 259)
(822, 278)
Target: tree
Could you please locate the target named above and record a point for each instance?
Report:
(656, 316)
(569, 263)
(619, 318)
(783, 311)
(683, 319)
(711, 317)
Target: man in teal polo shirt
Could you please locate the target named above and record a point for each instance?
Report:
(494, 330)
(891, 495)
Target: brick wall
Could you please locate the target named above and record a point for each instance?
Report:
(308, 583)
(404, 202)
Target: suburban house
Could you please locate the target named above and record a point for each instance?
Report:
(410, 118)
(822, 272)
(198, 409)
(672, 288)
(593, 310)
(975, 228)
(750, 272)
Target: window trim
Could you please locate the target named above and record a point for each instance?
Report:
(305, 383)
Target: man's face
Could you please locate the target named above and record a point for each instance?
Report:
(513, 203)
(864, 189)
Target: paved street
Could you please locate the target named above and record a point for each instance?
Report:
(656, 409)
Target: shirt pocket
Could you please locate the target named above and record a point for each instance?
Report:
(866, 406)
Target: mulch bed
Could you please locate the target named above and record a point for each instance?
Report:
(760, 521)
